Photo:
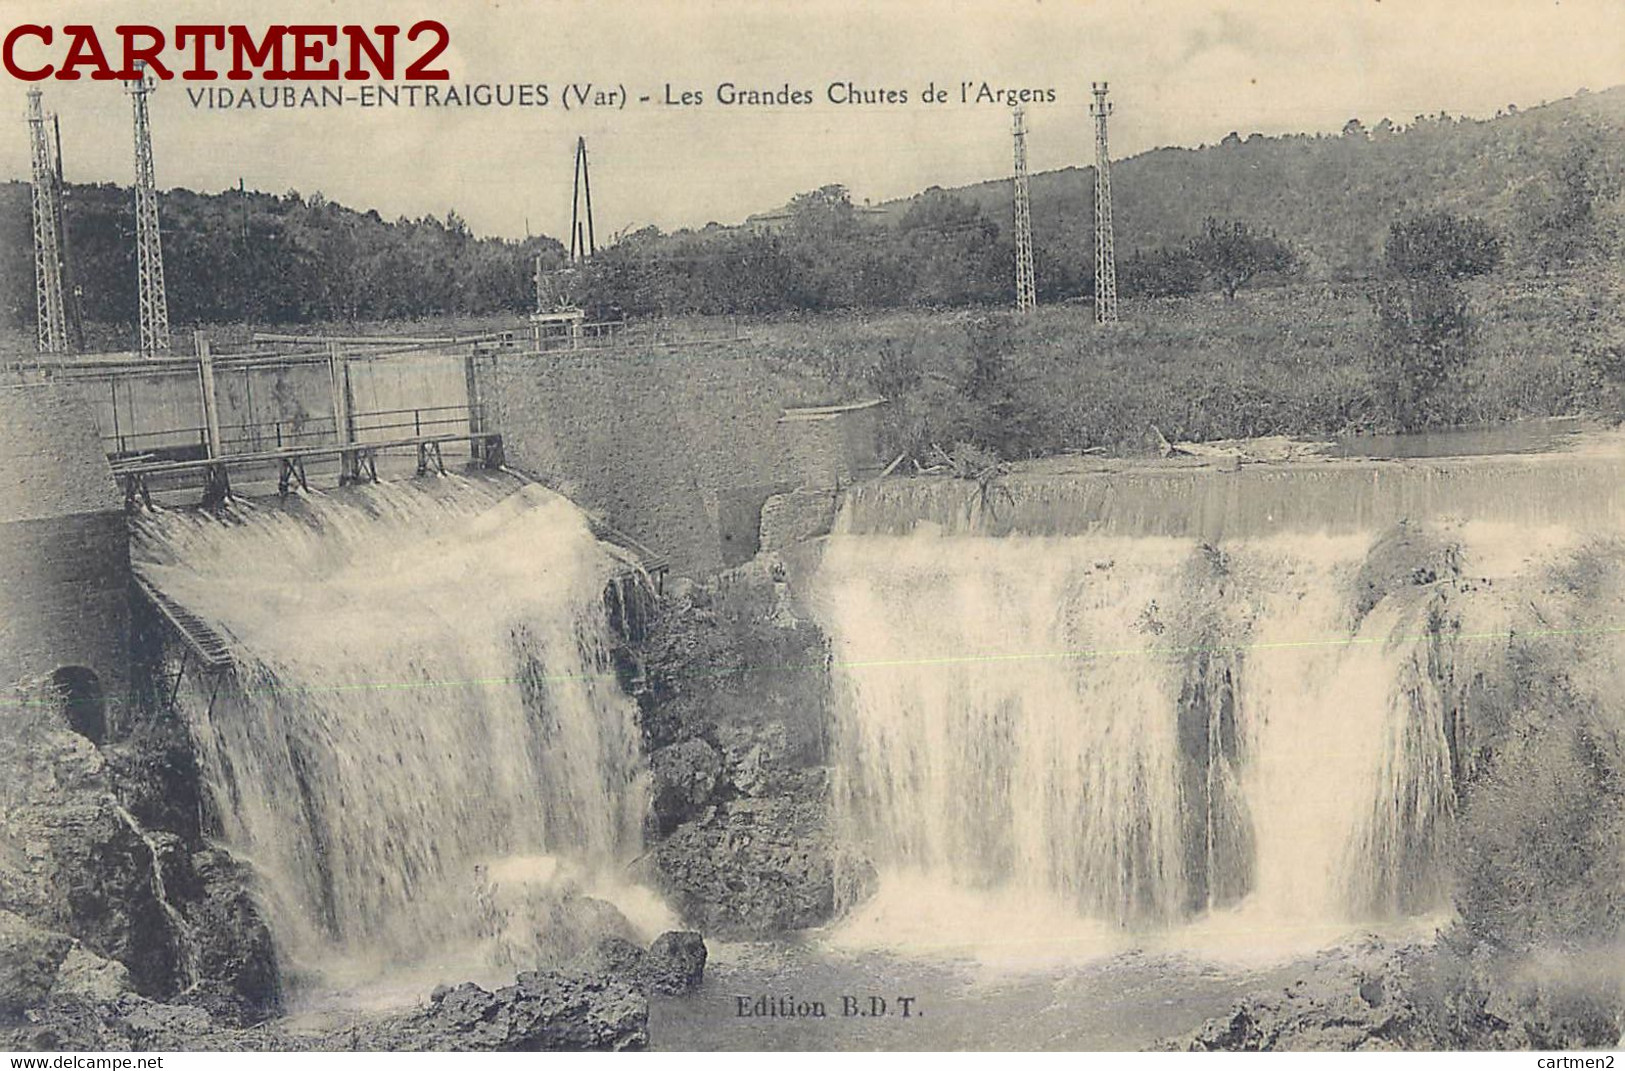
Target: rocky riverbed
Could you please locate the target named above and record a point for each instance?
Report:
(123, 926)
(1445, 994)
(60, 996)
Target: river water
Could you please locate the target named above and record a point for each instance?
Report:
(1126, 1001)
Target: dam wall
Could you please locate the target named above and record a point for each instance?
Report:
(1215, 502)
(680, 448)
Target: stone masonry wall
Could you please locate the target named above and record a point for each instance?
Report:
(64, 546)
(678, 448)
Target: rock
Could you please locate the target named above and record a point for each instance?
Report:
(164, 1026)
(613, 957)
(156, 774)
(754, 868)
(88, 978)
(30, 958)
(755, 758)
(464, 1017)
(566, 930)
(748, 771)
(684, 774)
(104, 872)
(562, 1012)
(675, 963)
(75, 860)
(579, 923)
(543, 1010)
(796, 516)
(1552, 1002)
(1406, 556)
(238, 979)
(766, 760)
(73, 1026)
(1351, 999)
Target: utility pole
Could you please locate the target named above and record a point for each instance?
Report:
(1105, 246)
(247, 276)
(154, 304)
(1026, 290)
(53, 334)
(72, 297)
(583, 244)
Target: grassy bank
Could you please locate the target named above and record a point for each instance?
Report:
(1298, 360)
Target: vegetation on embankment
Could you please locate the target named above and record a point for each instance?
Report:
(1301, 360)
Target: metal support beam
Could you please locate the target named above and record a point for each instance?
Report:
(338, 371)
(211, 404)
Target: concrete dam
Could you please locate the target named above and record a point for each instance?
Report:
(1105, 704)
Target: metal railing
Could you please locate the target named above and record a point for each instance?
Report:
(423, 420)
(126, 443)
(282, 434)
(613, 333)
(294, 433)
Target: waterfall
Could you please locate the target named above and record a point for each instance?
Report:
(423, 739)
(1136, 731)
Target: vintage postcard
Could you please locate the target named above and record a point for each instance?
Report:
(824, 525)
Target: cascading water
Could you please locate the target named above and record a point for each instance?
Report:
(423, 740)
(1135, 731)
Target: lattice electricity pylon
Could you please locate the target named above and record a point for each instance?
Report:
(149, 247)
(1026, 290)
(52, 313)
(1105, 246)
(71, 294)
(582, 242)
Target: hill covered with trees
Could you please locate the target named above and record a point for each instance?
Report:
(264, 258)
(1546, 181)
(1547, 178)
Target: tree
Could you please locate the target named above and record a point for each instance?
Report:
(823, 213)
(1559, 206)
(1231, 254)
(1424, 336)
(953, 251)
(1163, 273)
(1441, 245)
(1424, 326)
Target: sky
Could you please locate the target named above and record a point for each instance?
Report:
(1181, 72)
